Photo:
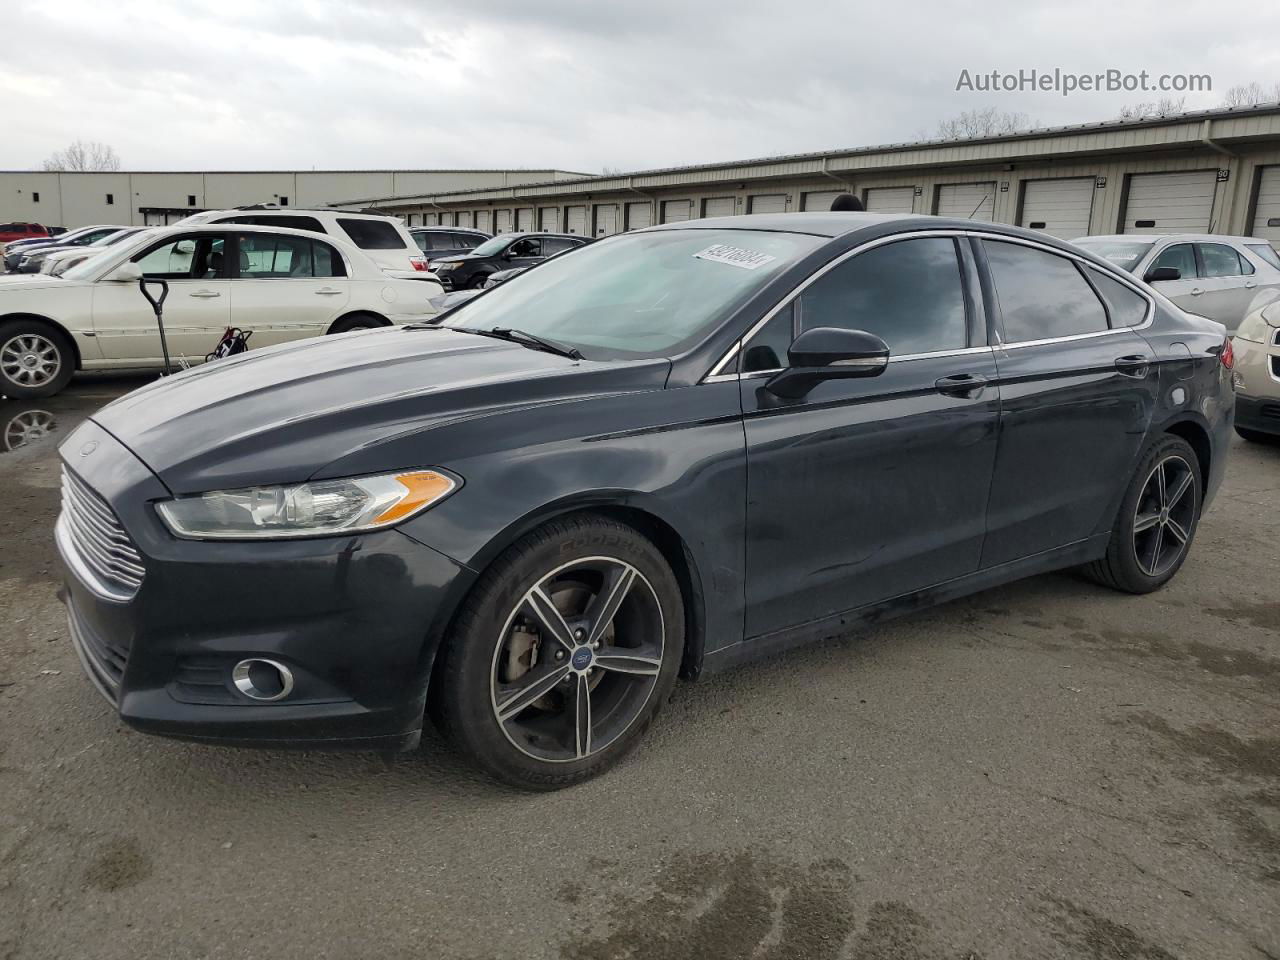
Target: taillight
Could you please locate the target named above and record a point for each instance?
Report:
(420, 263)
(1228, 355)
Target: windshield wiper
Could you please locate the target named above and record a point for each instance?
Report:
(510, 334)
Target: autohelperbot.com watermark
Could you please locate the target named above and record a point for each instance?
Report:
(1066, 82)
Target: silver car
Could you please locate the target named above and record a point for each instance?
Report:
(1215, 276)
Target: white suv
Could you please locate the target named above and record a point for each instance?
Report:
(383, 239)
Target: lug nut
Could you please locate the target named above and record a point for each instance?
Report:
(559, 654)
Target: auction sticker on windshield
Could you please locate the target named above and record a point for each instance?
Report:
(734, 256)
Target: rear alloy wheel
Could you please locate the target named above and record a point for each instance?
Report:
(36, 360)
(560, 661)
(1157, 520)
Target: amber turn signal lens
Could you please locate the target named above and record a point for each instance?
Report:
(424, 486)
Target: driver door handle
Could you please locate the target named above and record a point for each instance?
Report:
(206, 294)
(967, 385)
(1196, 291)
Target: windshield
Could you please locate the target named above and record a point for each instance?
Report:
(111, 238)
(638, 295)
(1123, 253)
(91, 265)
(494, 245)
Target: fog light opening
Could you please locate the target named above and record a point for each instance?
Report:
(262, 679)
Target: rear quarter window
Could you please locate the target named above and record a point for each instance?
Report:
(372, 234)
(1127, 308)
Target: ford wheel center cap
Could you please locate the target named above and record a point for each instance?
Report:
(582, 658)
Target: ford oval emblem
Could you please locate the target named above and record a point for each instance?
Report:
(581, 658)
(88, 448)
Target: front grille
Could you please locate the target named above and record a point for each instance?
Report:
(103, 659)
(104, 550)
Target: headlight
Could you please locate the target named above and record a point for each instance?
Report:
(314, 509)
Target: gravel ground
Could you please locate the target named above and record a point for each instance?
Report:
(1042, 770)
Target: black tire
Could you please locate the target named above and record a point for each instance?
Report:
(36, 359)
(465, 697)
(1257, 436)
(359, 321)
(1136, 561)
(477, 282)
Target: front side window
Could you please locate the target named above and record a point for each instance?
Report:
(1220, 260)
(1181, 257)
(909, 293)
(265, 256)
(1266, 253)
(1041, 295)
(530, 247)
(186, 258)
(372, 234)
(639, 295)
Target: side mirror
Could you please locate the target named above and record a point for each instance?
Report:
(1157, 274)
(828, 353)
(127, 272)
(185, 246)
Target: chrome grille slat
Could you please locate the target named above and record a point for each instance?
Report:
(104, 549)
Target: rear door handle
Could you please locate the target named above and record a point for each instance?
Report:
(327, 292)
(1135, 365)
(1250, 285)
(206, 294)
(966, 385)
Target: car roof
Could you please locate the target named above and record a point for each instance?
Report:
(437, 226)
(1181, 237)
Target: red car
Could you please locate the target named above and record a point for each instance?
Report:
(21, 231)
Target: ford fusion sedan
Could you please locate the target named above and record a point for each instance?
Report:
(673, 451)
(1257, 374)
(1215, 276)
(501, 253)
(281, 284)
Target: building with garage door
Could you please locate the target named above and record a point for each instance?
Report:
(1216, 171)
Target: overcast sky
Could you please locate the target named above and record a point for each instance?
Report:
(574, 84)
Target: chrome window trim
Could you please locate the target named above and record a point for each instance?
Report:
(717, 374)
(905, 358)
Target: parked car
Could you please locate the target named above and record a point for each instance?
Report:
(56, 260)
(502, 252)
(670, 452)
(15, 232)
(1257, 374)
(383, 239)
(281, 284)
(438, 242)
(1215, 276)
(33, 259)
(447, 301)
(14, 252)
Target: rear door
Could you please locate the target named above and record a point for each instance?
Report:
(1077, 393)
(869, 488)
(196, 311)
(286, 287)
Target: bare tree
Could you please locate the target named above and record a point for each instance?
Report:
(1247, 94)
(1155, 108)
(610, 171)
(982, 123)
(84, 155)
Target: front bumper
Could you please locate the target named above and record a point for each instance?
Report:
(1258, 413)
(356, 619)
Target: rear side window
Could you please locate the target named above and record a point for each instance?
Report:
(372, 234)
(908, 293)
(1263, 251)
(1220, 260)
(551, 246)
(265, 256)
(1041, 295)
(466, 241)
(276, 220)
(1126, 307)
(1181, 257)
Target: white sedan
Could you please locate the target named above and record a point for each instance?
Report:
(280, 284)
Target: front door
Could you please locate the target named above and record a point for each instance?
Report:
(1077, 392)
(286, 287)
(866, 489)
(196, 311)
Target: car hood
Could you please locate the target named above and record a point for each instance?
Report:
(345, 404)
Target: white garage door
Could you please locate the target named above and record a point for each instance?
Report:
(639, 215)
(1060, 208)
(673, 211)
(548, 218)
(1266, 218)
(606, 219)
(891, 199)
(484, 219)
(820, 200)
(718, 207)
(1170, 202)
(968, 201)
(464, 219)
(502, 221)
(524, 219)
(768, 203)
(575, 220)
